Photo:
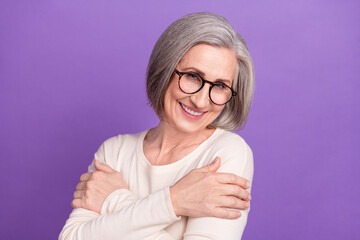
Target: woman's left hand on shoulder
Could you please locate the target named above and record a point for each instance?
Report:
(94, 187)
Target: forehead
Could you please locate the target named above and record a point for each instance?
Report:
(215, 62)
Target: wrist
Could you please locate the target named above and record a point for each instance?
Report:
(174, 202)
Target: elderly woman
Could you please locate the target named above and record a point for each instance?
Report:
(189, 177)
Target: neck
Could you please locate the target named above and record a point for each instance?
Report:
(164, 140)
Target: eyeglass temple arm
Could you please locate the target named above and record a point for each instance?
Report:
(179, 73)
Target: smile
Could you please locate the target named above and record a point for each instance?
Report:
(191, 112)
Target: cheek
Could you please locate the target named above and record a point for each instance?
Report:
(173, 92)
(217, 108)
(217, 111)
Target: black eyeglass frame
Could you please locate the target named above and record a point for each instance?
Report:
(180, 74)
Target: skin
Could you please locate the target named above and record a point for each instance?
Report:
(203, 192)
(94, 187)
(216, 63)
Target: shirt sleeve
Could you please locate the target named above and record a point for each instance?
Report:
(122, 215)
(118, 200)
(237, 160)
(142, 219)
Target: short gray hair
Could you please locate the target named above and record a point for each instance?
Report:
(173, 44)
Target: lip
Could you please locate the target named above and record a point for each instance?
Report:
(193, 109)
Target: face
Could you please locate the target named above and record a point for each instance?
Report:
(192, 113)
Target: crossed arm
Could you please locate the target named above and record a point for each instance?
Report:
(103, 203)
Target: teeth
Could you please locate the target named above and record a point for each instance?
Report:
(190, 111)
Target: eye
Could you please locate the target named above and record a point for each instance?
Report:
(220, 85)
(192, 75)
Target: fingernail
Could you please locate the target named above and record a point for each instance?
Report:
(247, 204)
(247, 184)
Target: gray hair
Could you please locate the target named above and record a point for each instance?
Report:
(173, 44)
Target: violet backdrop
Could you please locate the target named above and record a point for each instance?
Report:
(72, 74)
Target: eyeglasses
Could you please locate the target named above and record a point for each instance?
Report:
(191, 82)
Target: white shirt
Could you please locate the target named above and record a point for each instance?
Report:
(145, 211)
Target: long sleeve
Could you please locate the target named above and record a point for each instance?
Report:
(139, 220)
(240, 162)
(123, 216)
(146, 211)
(237, 158)
(118, 200)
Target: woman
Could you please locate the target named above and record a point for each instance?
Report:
(187, 177)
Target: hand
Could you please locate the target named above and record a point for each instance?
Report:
(205, 193)
(94, 187)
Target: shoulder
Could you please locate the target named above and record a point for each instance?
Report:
(230, 143)
(229, 139)
(116, 142)
(236, 155)
(110, 149)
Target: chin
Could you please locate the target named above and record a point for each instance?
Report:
(189, 127)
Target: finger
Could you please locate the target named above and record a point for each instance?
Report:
(103, 167)
(84, 177)
(236, 191)
(226, 213)
(76, 203)
(233, 179)
(78, 194)
(212, 167)
(81, 186)
(233, 203)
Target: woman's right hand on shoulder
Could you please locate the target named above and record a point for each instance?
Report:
(205, 193)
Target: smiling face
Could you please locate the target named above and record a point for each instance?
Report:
(192, 113)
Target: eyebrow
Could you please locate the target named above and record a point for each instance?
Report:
(203, 74)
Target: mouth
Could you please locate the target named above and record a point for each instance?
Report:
(190, 111)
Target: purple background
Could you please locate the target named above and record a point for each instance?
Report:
(72, 75)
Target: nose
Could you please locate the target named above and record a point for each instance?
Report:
(201, 99)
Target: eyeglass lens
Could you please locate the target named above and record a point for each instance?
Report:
(191, 83)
